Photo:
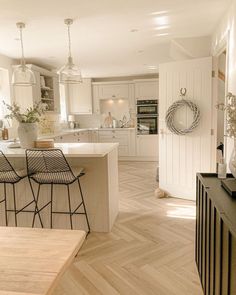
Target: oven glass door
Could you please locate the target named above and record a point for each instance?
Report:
(147, 109)
(147, 125)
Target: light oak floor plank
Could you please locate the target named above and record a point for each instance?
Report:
(150, 250)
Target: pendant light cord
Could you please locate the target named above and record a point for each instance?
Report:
(69, 39)
(22, 49)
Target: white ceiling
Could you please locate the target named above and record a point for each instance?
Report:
(102, 41)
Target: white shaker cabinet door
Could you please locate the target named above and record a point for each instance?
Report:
(147, 146)
(114, 91)
(146, 90)
(79, 97)
(96, 99)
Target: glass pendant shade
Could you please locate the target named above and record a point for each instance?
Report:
(23, 76)
(70, 73)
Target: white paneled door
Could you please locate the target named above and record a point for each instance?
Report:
(181, 157)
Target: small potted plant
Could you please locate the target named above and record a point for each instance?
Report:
(28, 122)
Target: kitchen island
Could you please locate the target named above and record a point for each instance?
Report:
(100, 187)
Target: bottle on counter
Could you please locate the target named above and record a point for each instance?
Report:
(5, 135)
(108, 122)
(222, 169)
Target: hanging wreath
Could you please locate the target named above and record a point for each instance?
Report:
(170, 115)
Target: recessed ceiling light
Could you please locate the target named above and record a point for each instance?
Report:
(134, 30)
(160, 12)
(162, 34)
(162, 27)
(152, 67)
(162, 20)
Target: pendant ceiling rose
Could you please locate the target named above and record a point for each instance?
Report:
(68, 21)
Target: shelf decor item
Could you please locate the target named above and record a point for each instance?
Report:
(71, 121)
(22, 75)
(170, 114)
(28, 122)
(69, 73)
(230, 110)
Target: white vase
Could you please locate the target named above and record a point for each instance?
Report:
(28, 134)
(232, 162)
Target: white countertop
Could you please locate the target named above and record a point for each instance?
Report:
(85, 150)
(69, 131)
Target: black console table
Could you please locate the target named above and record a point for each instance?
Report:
(215, 244)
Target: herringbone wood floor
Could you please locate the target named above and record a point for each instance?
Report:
(150, 250)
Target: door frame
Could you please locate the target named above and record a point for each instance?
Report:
(224, 45)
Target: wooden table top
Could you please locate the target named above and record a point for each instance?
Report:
(32, 260)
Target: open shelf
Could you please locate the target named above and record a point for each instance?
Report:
(47, 91)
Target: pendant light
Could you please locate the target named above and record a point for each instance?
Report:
(22, 75)
(69, 73)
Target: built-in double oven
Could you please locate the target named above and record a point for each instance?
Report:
(147, 117)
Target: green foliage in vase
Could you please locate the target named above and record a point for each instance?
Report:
(31, 115)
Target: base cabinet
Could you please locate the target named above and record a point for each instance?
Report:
(215, 243)
(125, 138)
(147, 146)
(131, 147)
(81, 136)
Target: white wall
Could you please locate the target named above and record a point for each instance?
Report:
(6, 71)
(6, 92)
(226, 30)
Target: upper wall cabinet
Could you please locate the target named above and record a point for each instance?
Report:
(113, 91)
(146, 89)
(79, 97)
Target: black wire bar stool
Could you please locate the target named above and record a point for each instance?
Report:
(8, 175)
(50, 167)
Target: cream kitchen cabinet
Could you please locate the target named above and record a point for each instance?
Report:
(147, 147)
(125, 138)
(80, 136)
(79, 97)
(93, 135)
(146, 89)
(113, 91)
(96, 99)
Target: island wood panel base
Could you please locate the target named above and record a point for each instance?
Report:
(100, 188)
(33, 260)
(215, 240)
